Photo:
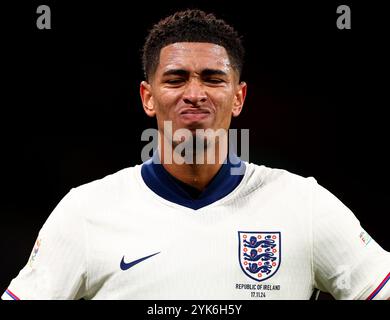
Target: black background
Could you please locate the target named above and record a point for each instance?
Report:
(71, 112)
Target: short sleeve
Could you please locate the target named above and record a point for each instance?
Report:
(347, 262)
(56, 268)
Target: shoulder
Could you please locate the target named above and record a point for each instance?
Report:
(107, 188)
(269, 177)
(116, 180)
(275, 183)
(98, 198)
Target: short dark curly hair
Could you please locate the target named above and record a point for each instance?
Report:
(191, 25)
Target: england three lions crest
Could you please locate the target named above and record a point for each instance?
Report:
(259, 253)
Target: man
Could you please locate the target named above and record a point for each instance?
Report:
(182, 227)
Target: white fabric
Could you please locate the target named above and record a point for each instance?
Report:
(82, 243)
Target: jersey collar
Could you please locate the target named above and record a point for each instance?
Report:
(168, 187)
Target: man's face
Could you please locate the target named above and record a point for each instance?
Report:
(194, 86)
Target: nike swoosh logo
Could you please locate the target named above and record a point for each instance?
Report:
(126, 266)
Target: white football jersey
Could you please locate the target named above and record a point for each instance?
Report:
(275, 236)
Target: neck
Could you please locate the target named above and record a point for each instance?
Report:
(195, 175)
(200, 171)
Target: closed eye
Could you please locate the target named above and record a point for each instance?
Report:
(214, 80)
(175, 81)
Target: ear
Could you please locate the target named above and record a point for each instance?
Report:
(239, 99)
(147, 99)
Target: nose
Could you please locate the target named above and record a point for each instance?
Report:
(194, 93)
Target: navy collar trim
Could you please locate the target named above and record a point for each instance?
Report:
(160, 181)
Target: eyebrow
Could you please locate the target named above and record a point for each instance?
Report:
(205, 72)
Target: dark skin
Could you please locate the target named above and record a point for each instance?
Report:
(195, 87)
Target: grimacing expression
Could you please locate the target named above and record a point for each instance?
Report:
(194, 86)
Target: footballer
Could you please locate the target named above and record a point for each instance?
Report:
(222, 229)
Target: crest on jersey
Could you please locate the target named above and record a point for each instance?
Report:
(259, 253)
